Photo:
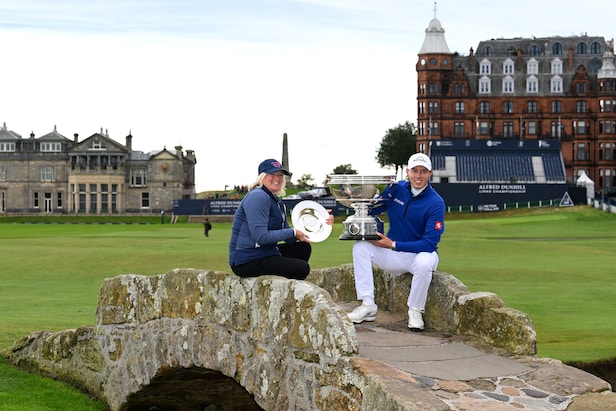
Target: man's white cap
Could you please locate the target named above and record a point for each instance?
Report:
(420, 159)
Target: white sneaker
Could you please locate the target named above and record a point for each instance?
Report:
(363, 313)
(416, 322)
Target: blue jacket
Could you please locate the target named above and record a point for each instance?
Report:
(415, 223)
(259, 223)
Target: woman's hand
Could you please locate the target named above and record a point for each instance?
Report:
(301, 236)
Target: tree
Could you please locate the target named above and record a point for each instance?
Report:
(305, 181)
(397, 146)
(344, 169)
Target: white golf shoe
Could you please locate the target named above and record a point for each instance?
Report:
(416, 322)
(363, 313)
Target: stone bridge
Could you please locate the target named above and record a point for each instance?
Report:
(197, 339)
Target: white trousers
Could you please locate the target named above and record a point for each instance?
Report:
(420, 265)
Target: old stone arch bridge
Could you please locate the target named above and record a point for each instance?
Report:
(263, 343)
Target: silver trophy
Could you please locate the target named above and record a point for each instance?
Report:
(359, 192)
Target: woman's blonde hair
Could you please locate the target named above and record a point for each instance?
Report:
(259, 183)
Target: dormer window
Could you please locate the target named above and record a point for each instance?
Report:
(97, 145)
(557, 66)
(508, 66)
(532, 67)
(54, 147)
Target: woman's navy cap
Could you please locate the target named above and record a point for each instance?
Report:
(270, 166)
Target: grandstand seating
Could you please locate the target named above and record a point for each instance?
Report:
(501, 166)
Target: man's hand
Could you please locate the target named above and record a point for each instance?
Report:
(383, 241)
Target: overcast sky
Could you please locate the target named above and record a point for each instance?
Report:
(228, 78)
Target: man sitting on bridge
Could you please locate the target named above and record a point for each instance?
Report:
(416, 221)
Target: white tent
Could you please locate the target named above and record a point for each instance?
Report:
(585, 181)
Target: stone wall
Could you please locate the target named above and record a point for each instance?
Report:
(266, 333)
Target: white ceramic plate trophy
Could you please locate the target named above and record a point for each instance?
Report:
(311, 217)
(358, 192)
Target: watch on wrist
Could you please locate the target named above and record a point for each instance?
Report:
(393, 245)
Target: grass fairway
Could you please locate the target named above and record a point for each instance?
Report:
(557, 265)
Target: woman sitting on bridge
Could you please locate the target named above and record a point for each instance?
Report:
(262, 241)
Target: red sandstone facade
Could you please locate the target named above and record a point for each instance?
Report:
(553, 89)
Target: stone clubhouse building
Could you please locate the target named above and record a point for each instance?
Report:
(98, 175)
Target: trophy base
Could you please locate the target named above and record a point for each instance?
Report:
(361, 228)
(358, 237)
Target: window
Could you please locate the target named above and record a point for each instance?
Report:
(605, 151)
(532, 67)
(145, 200)
(508, 107)
(582, 48)
(508, 129)
(421, 107)
(487, 51)
(433, 129)
(581, 152)
(484, 128)
(458, 129)
(432, 89)
(605, 178)
(508, 66)
(2, 173)
(104, 198)
(35, 200)
(459, 107)
(532, 84)
(531, 107)
(580, 127)
(59, 199)
(433, 107)
(580, 106)
(114, 197)
(484, 85)
(531, 127)
(485, 67)
(557, 48)
(595, 48)
(534, 50)
(138, 178)
(556, 84)
(557, 106)
(7, 146)
(459, 89)
(51, 147)
(82, 198)
(556, 130)
(594, 66)
(556, 66)
(511, 50)
(581, 88)
(484, 107)
(422, 89)
(93, 198)
(508, 85)
(47, 174)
